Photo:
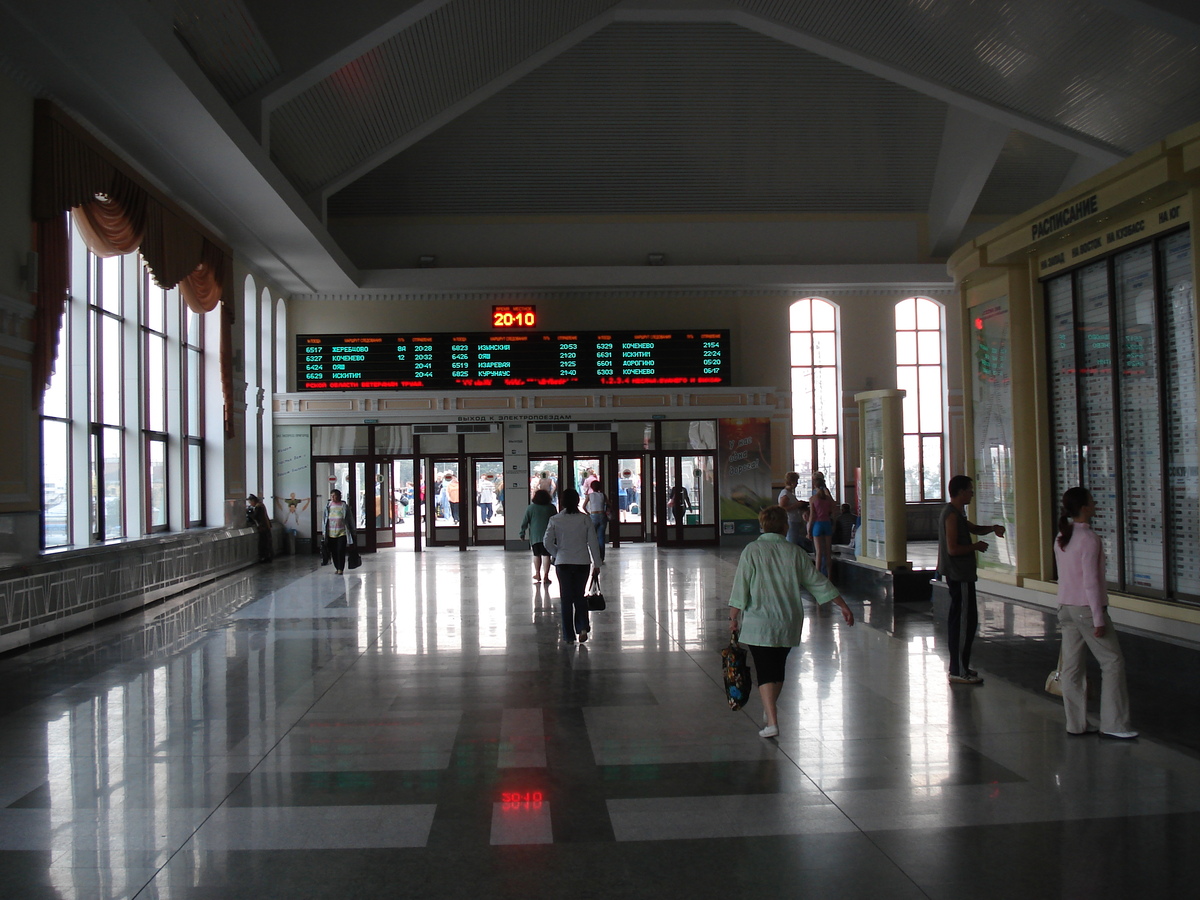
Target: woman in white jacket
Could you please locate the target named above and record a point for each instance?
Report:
(571, 542)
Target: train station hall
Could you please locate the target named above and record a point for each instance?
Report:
(599, 448)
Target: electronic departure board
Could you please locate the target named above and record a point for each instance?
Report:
(381, 362)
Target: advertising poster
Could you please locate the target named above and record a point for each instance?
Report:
(289, 506)
(743, 455)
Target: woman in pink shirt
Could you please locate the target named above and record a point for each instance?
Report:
(820, 522)
(1083, 619)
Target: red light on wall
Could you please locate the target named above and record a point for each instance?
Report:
(979, 324)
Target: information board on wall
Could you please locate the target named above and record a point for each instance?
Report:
(375, 362)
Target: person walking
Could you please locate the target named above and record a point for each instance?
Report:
(537, 517)
(338, 529)
(792, 506)
(820, 523)
(956, 562)
(1083, 620)
(597, 509)
(571, 541)
(766, 609)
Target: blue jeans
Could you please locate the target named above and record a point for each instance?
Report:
(572, 582)
(600, 523)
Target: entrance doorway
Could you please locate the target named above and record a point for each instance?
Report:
(685, 493)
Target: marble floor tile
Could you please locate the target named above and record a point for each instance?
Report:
(420, 729)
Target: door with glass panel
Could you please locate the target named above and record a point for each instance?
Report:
(634, 497)
(443, 507)
(353, 479)
(405, 494)
(488, 526)
(686, 499)
(544, 474)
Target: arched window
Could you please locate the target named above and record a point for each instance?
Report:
(919, 339)
(251, 354)
(815, 394)
(281, 348)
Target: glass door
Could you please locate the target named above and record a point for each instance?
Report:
(383, 506)
(631, 500)
(686, 492)
(404, 497)
(544, 475)
(352, 477)
(489, 500)
(443, 500)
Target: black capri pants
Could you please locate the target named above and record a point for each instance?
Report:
(769, 663)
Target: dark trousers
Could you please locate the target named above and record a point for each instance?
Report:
(573, 607)
(337, 551)
(960, 656)
(266, 549)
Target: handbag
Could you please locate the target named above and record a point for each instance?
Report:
(353, 560)
(736, 671)
(594, 597)
(324, 550)
(1054, 679)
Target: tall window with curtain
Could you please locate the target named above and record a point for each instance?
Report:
(123, 452)
(919, 339)
(815, 391)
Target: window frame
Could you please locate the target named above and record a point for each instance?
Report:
(824, 448)
(918, 435)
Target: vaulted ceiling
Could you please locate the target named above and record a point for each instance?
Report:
(336, 144)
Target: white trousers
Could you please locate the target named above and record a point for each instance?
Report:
(1078, 630)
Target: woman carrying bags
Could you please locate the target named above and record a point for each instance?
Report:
(571, 541)
(338, 529)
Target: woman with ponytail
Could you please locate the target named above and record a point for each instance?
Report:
(1083, 619)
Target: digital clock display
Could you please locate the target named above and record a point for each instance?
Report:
(511, 360)
(514, 317)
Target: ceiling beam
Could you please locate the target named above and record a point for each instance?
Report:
(119, 69)
(1102, 152)
(317, 199)
(256, 109)
(970, 147)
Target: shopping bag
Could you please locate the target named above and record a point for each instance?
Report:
(353, 560)
(736, 670)
(1054, 679)
(595, 598)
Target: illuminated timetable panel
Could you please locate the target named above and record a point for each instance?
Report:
(510, 360)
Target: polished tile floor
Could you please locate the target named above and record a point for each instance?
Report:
(417, 729)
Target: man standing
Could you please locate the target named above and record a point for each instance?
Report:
(256, 512)
(956, 561)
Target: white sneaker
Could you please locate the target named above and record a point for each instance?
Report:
(769, 732)
(1119, 735)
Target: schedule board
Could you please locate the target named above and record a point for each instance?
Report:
(382, 362)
